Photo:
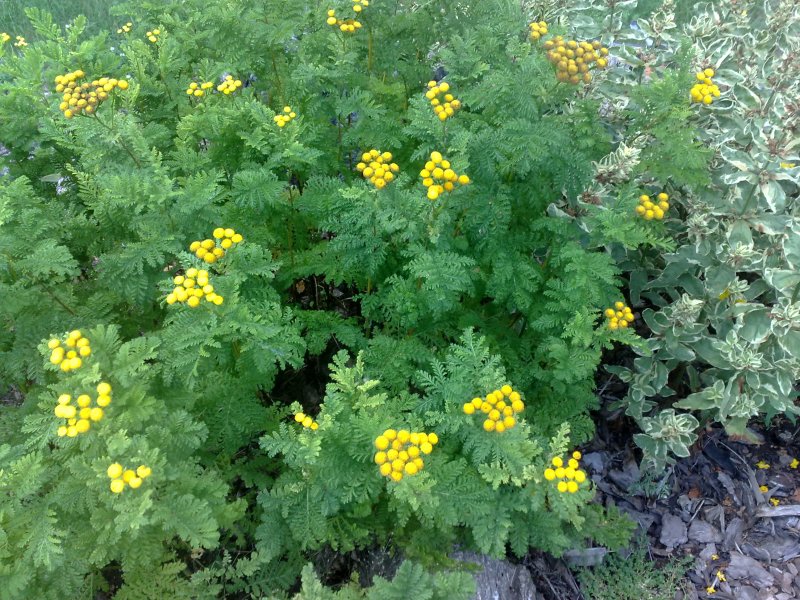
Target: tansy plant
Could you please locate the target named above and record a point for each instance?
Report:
(125, 226)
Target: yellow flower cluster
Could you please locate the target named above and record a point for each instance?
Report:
(288, 115)
(20, 43)
(198, 90)
(619, 317)
(153, 36)
(399, 452)
(125, 28)
(377, 167)
(79, 420)
(84, 97)
(4, 37)
(229, 85)
(570, 477)
(346, 25)
(444, 110)
(649, 210)
(573, 59)
(306, 421)
(704, 90)
(499, 413)
(538, 30)
(438, 170)
(69, 356)
(212, 250)
(193, 286)
(359, 5)
(121, 477)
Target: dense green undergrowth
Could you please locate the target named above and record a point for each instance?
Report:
(435, 309)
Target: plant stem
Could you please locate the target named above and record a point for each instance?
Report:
(289, 228)
(369, 49)
(58, 300)
(278, 83)
(119, 138)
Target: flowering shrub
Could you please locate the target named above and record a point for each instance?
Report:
(484, 280)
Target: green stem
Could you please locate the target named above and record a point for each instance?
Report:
(58, 300)
(278, 83)
(12, 271)
(749, 199)
(369, 49)
(611, 19)
(795, 293)
(289, 228)
(119, 138)
(339, 137)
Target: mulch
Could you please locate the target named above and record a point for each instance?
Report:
(732, 506)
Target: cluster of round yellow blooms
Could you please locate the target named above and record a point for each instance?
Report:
(346, 25)
(153, 35)
(619, 317)
(193, 286)
(288, 115)
(198, 90)
(4, 37)
(20, 43)
(378, 167)
(121, 477)
(399, 452)
(229, 85)
(538, 30)
(704, 90)
(570, 477)
(444, 110)
(306, 421)
(84, 97)
(359, 5)
(500, 406)
(436, 171)
(69, 356)
(573, 59)
(79, 420)
(649, 210)
(212, 250)
(125, 28)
